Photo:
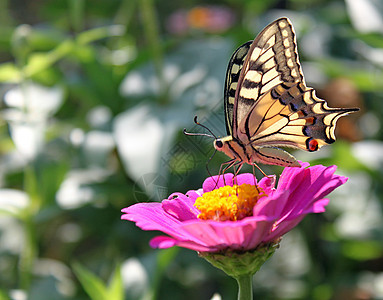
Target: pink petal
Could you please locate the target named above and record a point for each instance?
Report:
(182, 207)
(283, 228)
(164, 242)
(272, 205)
(290, 175)
(194, 194)
(285, 225)
(217, 181)
(267, 184)
(305, 195)
(318, 207)
(246, 178)
(306, 186)
(151, 216)
(240, 235)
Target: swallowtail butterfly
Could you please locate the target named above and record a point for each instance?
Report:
(268, 105)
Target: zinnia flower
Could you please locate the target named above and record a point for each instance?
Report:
(237, 214)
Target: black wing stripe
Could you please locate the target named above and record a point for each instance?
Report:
(232, 76)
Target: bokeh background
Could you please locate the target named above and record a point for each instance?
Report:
(94, 98)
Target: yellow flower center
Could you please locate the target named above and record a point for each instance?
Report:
(229, 203)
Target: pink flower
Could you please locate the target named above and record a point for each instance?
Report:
(276, 210)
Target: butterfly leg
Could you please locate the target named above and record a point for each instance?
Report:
(228, 164)
(236, 171)
(254, 164)
(255, 183)
(255, 178)
(207, 164)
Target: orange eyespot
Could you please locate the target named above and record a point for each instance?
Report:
(312, 144)
(310, 121)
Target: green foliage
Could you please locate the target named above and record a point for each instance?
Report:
(94, 286)
(3, 295)
(362, 250)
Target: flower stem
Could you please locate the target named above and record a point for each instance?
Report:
(76, 14)
(28, 255)
(30, 249)
(245, 287)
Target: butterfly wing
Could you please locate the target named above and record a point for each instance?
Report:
(273, 107)
(272, 59)
(291, 115)
(232, 76)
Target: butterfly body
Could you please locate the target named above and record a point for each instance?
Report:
(250, 154)
(268, 105)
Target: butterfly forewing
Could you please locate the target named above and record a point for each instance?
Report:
(272, 59)
(232, 76)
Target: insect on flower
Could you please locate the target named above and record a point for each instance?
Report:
(268, 105)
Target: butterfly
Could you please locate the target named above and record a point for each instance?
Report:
(268, 105)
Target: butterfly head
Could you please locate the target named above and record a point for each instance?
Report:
(221, 144)
(218, 144)
(226, 145)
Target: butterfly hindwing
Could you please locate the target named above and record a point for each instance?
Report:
(291, 115)
(232, 76)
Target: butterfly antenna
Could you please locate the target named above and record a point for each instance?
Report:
(203, 126)
(198, 134)
(211, 135)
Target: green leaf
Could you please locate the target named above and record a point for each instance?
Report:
(3, 296)
(164, 258)
(373, 39)
(9, 73)
(32, 189)
(342, 154)
(95, 34)
(84, 53)
(115, 288)
(45, 39)
(92, 285)
(322, 292)
(362, 250)
(362, 76)
(40, 61)
(49, 176)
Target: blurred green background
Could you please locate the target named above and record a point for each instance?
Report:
(94, 98)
